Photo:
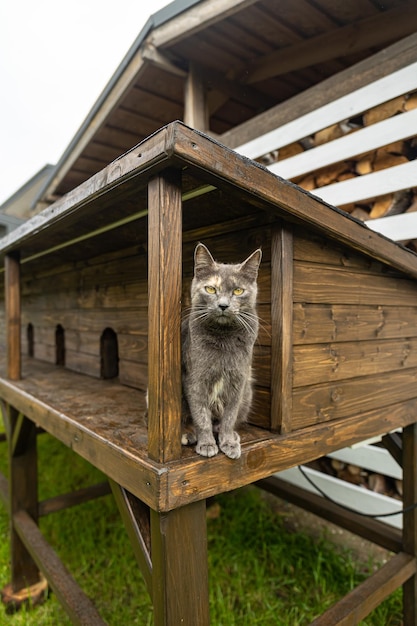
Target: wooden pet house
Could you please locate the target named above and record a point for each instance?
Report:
(94, 291)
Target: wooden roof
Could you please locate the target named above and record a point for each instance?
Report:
(247, 55)
(109, 211)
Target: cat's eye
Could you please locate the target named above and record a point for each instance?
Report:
(210, 290)
(238, 291)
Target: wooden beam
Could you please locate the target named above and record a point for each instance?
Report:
(344, 41)
(357, 604)
(13, 321)
(78, 606)
(180, 569)
(136, 517)
(281, 328)
(387, 61)
(196, 19)
(165, 286)
(370, 529)
(155, 57)
(410, 520)
(195, 99)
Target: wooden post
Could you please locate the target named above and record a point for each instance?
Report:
(12, 297)
(164, 313)
(180, 571)
(410, 520)
(21, 434)
(195, 100)
(281, 328)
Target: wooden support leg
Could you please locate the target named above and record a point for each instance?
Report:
(136, 518)
(23, 495)
(180, 570)
(410, 520)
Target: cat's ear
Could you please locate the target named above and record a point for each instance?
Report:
(202, 258)
(251, 265)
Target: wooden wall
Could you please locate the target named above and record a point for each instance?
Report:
(353, 325)
(354, 334)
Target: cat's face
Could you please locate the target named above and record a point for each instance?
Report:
(221, 294)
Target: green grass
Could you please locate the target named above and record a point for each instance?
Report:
(260, 572)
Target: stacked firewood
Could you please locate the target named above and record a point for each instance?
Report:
(382, 158)
(358, 476)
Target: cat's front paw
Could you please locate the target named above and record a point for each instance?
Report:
(230, 445)
(207, 447)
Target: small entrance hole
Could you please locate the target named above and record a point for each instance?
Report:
(59, 345)
(109, 353)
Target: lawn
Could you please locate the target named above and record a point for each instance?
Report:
(261, 572)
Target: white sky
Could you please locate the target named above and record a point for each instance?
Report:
(56, 57)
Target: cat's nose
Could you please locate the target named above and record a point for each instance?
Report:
(223, 307)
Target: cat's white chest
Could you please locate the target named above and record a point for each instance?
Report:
(215, 397)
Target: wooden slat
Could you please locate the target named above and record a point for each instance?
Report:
(316, 323)
(357, 604)
(335, 400)
(195, 102)
(321, 284)
(364, 140)
(347, 106)
(376, 184)
(80, 608)
(281, 328)
(397, 227)
(338, 361)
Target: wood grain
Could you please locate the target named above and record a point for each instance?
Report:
(165, 289)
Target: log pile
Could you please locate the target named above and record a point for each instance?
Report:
(355, 475)
(382, 158)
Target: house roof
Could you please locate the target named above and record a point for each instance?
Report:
(250, 55)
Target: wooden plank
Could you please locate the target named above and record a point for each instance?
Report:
(359, 75)
(364, 140)
(340, 399)
(339, 109)
(410, 520)
(78, 606)
(327, 285)
(13, 315)
(378, 183)
(345, 40)
(316, 323)
(180, 575)
(281, 328)
(195, 478)
(357, 604)
(165, 287)
(338, 361)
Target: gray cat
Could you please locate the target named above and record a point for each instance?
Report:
(217, 345)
